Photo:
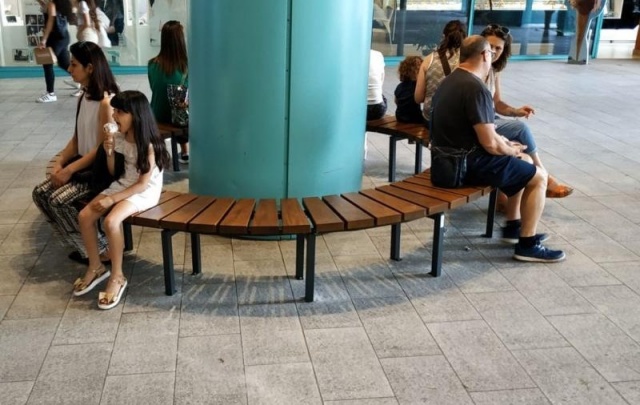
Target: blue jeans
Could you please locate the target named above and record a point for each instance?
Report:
(516, 130)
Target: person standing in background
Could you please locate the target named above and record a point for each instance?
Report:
(169, 67)
(115, 11)
(56, 37)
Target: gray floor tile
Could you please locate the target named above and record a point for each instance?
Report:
(367, 276)
(531, 396)
(282, 384)
(83, 322)
(617, 303)
(72, 374)
(272, 334)
(325, 315)
(478, 357)
(626, 272)
(23, 346)
(425, 380)
(346, 365)
(394, 328)
(515, 321)
(5, 303)
(154, 389)
(147, 342)
(15, 393)
(210, 369)
(566, 378)
(630, 390)
(367, 401)
(209, 309)
(602, 344)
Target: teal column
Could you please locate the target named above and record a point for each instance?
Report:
(277, 96)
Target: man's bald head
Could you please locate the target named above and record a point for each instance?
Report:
(472, 47)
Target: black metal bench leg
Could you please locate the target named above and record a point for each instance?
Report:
(300, 257)
(167, 259)
(395, 242)
(392, 158)
(311, 267)
(196, 257)
(418, 167)
(491, 213)
(174, 153)
(438, 237)
(128, 237)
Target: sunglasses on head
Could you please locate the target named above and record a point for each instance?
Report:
(496, 27)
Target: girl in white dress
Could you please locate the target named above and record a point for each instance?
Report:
(138, 189)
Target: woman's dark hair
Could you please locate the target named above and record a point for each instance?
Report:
(64, 8)
(453, 35)
(101, 78)
(145, 128)
(495, 30)
(173, 50)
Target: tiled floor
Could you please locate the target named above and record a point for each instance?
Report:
(489, 331)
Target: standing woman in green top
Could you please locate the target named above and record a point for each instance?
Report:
(169, 67)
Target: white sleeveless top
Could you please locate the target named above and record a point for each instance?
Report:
(88, 125)
(151, 195)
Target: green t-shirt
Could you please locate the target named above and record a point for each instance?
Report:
(158, 81)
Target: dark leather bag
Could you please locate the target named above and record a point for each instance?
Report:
(448, 166)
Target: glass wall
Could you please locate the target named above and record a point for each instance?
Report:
(540, 28)
(135, 29)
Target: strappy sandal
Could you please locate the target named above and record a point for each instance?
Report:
(109, 300)
(81, 287)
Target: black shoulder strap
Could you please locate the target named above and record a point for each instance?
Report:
(75, 131)
(445, 62)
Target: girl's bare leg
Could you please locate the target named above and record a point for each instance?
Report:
(113, 229)
(88, 219)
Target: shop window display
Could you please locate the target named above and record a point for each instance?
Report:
(134, 29)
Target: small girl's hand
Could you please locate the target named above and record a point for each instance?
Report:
(103, 204)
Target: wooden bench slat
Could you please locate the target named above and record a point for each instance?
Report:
(179, 220)
(237, 219)
(265, 219)
(453, 200)
(432, 205)
(469, 192)
(322, 216)
(294, 221)
(208, 220)
(354, 217)
(381, 121)
(151, 217)
(382, 214)
(409, 211)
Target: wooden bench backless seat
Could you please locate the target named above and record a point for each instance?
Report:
(172, 132)
(417, 133)
(392, 204)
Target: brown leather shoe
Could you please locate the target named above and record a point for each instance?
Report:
(557, 190)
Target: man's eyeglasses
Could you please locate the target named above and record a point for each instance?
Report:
(500, 28)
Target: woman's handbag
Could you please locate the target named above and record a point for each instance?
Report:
(178, 95)
(448, 166)
(44, 56)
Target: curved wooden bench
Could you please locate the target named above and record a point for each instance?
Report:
(388, 205)
(392, 205)
(397, 131)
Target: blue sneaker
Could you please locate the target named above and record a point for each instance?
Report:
(538, 253)
(511, 235)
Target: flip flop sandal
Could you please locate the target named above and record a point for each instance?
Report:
(109, 300)
(81, 287)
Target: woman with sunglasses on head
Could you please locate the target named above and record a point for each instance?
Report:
(57, 197)
(515, 130)
(432, 71)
